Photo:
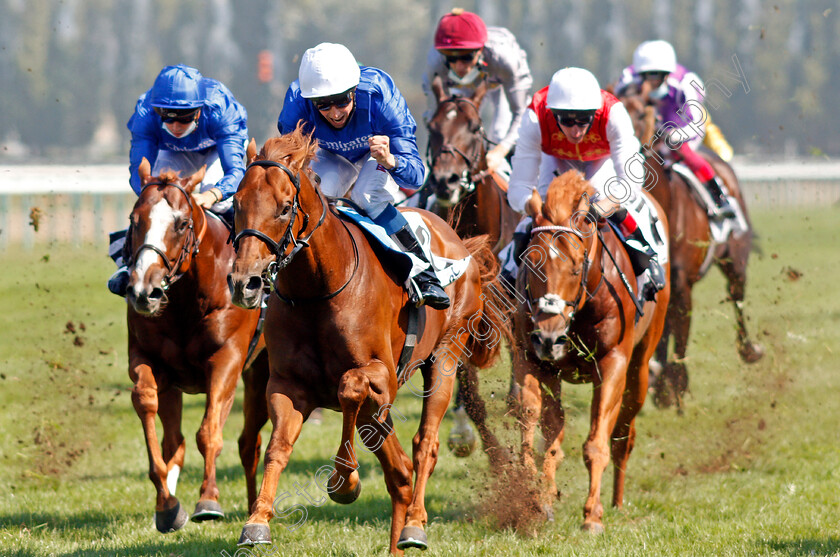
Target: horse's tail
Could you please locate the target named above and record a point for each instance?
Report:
(493, 324)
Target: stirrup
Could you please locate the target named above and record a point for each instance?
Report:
(428, 291)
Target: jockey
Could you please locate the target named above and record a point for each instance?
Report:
(574, 124)
(677, 96)
(186, 121)
(365, 134)
(465, 53)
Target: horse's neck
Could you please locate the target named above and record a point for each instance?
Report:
(314, 271)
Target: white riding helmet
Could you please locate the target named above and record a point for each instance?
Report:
(574, 89)
(655, 56)
(327, 69)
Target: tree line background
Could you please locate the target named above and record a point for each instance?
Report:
(71, 70)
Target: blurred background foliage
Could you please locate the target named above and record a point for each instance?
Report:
(71, 70)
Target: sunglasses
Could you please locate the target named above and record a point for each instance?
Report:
(339, 101)
(654, 75)
(175, 115)
(570, 121)
(468, 57)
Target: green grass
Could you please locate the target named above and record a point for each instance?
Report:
(752, 468)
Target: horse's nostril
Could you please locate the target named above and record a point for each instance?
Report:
(156, 294)
(561, 340)
(254, 283)
(453, 179)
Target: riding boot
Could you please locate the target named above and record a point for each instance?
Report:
(723, 209)
(431, 291)
(656, 273)
(118, 283)
(520, 243)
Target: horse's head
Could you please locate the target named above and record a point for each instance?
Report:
(164, 234)
(556, 263)
(456, 144)
(639, 105)
(271, 213)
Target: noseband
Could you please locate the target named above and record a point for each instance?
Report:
(470, 175)
(190, 244)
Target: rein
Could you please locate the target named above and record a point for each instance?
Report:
(190, 246)
(281, 261)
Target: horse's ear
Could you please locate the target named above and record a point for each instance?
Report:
(251, 151)
(195, 179)
(144, 171)
(610, 88)
(480, 91)
(437, 88)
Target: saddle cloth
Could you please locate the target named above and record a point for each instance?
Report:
(405, 264)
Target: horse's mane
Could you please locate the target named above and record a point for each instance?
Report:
(297, 147)
(168, 177)
(564, 196)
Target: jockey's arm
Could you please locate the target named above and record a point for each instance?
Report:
(624, 146)
(526, 163)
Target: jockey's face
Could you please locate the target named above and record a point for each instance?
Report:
(336, 110)
(574, 125)
(179, 124)
(461, 62)
(654, 79)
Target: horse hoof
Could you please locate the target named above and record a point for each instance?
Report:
(170, 520)
(207, 510)
(751, 353)
(255, 534)
(347, 498)
(412, 536)
(593, 528)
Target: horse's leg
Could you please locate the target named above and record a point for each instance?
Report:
(170, 406)
(477, 411)
(606, 402)
(462, 435)
(438, 382)
(288, 407)
(169, 516)
(353, 390)
(529, 411)
(734, 268)
(552, 423)
(256, 415)
(672, 385)
(224, 371)
(635, 391)
(396, 467)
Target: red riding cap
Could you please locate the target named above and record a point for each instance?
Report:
(460, 30)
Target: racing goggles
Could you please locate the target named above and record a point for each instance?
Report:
(180, 115)
(465, 57)
(572, 119)
(323, 104)
(653, 76)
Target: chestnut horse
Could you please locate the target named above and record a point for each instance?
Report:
(185, 336)
(577, 323)
(471, 199)
(335, 329)
(692, 250)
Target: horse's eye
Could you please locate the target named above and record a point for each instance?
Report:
(182, 225)
(286, 208)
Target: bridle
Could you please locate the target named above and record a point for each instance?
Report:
(471, 174)
(190, 246)
(281, 260)
(553, 304)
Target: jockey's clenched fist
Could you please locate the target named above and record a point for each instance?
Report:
(380, 149)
